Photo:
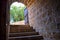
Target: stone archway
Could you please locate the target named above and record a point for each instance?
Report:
(9, 2)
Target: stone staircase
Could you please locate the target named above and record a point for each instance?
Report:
(23, 32)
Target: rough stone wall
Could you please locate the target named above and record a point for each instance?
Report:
(44, 17)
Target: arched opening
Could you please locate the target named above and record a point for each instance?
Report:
(18, 14)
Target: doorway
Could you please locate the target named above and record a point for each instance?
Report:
(18, 14)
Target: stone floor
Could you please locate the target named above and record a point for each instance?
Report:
(18, 23)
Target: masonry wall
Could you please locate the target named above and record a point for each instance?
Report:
(45, 18)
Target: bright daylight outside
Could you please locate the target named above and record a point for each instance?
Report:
(17, 13)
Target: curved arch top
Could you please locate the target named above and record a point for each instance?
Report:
(26, 2)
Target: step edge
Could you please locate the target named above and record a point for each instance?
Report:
(26, 36)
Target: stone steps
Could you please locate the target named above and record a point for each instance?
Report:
(20, 28)
(22, 34)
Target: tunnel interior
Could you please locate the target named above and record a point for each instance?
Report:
(43, 16)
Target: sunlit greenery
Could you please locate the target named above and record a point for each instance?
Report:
(17, 12)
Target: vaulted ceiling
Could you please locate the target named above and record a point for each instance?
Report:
(26, 2)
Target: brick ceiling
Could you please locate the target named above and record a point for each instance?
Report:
(27, 2)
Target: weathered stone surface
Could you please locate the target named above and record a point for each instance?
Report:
(44, 17)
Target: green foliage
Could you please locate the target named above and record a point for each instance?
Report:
(17, 13)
